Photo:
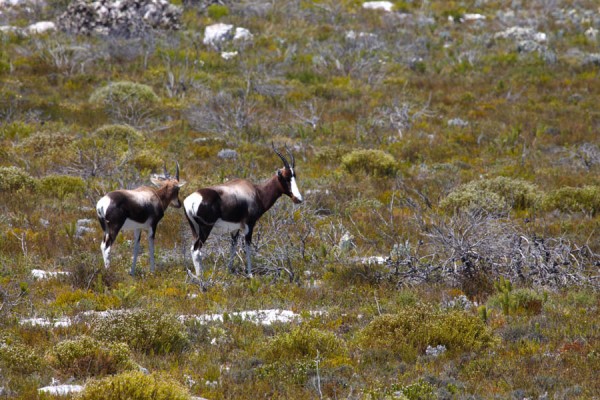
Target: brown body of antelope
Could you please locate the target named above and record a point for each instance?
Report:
(235, 207)
(138, 209)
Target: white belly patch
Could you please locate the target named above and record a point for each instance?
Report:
(222, 227)
(131, 225)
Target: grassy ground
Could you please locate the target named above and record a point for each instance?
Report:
(465, 158)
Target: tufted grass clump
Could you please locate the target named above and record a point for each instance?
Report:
(134, 386)
(495, 195)
(302, 342)
(574, 199)
(62, 186)
(147, 331)
(85, 356)
(407, 333)
(13, 179)
(372, 162)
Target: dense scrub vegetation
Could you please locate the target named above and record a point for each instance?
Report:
(447, 246)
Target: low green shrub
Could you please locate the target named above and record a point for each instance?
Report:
(13, 179)
(495, 195)
(302, 342)
(408, 332)
(134, 386)
(86, 356)
(17, 357)
(147, 331)
(61, 186)
(120, 93)
(516, 301)
(371, 162)
(217, 11)
(115, 133)
(574, 199)
(15, 130)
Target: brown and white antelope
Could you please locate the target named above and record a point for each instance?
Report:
(138, 209)
(235, 207)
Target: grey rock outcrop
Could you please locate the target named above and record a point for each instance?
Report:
(127, 18)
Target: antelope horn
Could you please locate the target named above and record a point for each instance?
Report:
(167, 175)
(177, 170)
(291, 156)
(285, 162)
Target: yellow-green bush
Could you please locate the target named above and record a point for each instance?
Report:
(217, 11)
(495, 195)
(408, 332)
(148, 331)
(372, 162)
(85, 356)
(120, 93)
(134, 386)
(61, 186)
(574, 199)
(302, 342)
(13, 179)
(17, 357)
(115, 133)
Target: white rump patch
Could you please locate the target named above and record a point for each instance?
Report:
(190, 205)
(102, 206)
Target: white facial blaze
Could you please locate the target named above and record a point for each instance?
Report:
(295, 191)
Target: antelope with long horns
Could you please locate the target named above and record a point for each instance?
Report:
(138, 209)
(236, 206)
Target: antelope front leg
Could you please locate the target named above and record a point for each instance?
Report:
(197, 257)
(151, 248)
(137, 234)
(248, 249)
(234, 239)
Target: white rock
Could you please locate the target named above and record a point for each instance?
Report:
(473, 17)
(242, 34)
(373, 260)
(378, 5)
(263, 317)
(228, 55)
(61, 390)
(520, 33)
(216, 33)
(59, 323)
(41, 274)
(41, 27)
(591, 33)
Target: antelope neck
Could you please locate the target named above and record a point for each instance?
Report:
(269, 192)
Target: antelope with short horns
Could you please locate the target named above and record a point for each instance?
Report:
(236, 206)
(138, 209)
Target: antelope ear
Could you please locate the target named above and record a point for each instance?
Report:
(155, 181)
(181, 183)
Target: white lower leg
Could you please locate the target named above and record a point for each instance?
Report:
(197, 260)
(105, 254)
(151, 250)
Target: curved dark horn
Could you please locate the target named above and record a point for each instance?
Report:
(177, 170)
(291, 156)
(165, 170)
(285, 162)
